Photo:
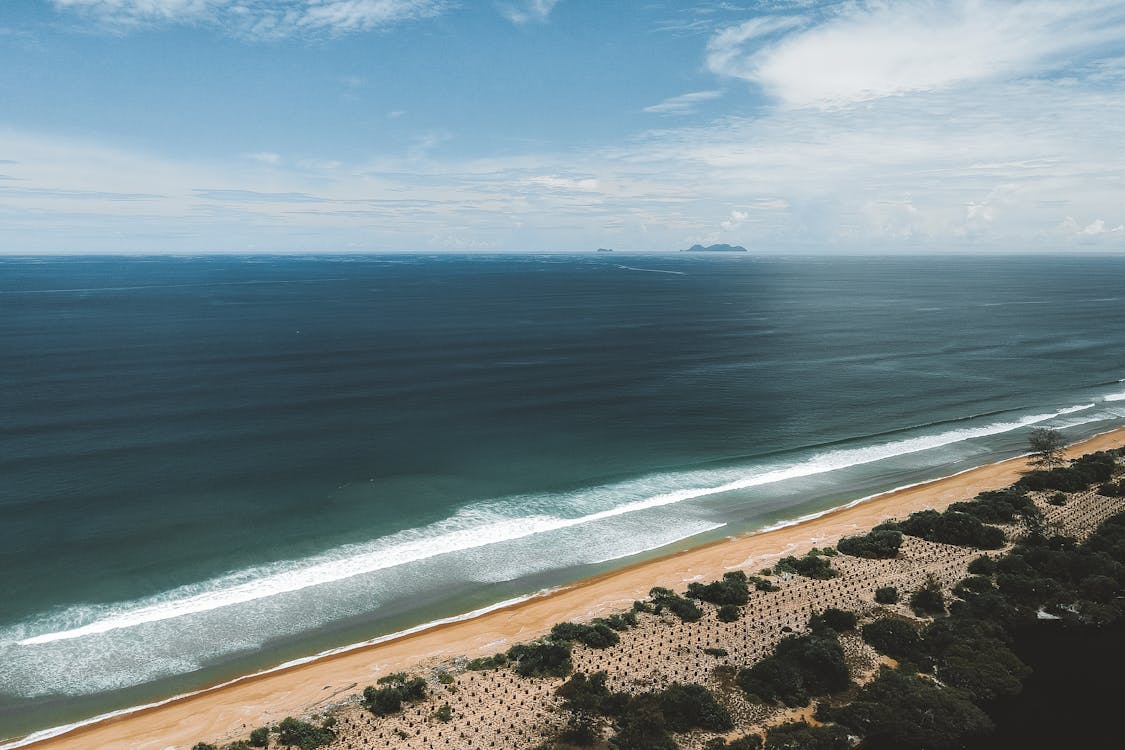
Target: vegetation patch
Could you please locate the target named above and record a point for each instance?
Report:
(799, 668)
(394, 690)
(810, 566)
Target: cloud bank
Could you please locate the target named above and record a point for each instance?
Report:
(257, 18)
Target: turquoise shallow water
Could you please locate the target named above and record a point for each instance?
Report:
(211, 465)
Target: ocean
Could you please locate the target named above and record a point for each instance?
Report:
(213, 465)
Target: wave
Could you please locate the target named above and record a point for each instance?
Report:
(45, 734)
(478, 527)
(1115, 397)
(652, 270)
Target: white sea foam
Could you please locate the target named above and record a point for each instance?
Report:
(1115, 397)
(44, 734)
(474, 529)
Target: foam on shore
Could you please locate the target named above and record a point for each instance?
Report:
(484, 525)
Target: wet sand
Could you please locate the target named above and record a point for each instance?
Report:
(231, 710)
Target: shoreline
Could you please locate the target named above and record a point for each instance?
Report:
(302, 685)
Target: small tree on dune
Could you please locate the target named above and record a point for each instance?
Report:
(1046, 447)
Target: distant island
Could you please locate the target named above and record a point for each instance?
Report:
(715, 249)
(604, 250)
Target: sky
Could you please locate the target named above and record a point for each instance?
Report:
(786, 126)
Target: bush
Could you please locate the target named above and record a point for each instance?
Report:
(641, 726)
(597, 635)
(904, 711)
(952, 527)
(810, 566)
(543, 659)
(999, 506)
(800, 666)
(762, 584)
(886, 595)
(203, 746)
(799, 735)
(1093, 468)
(623, 621)
(395, 690)
(833, 619)
(302, 734)
(260, 737)
(882, 544)
(896, 638)
(687, 707)
(728, 613)
(487, 662)
(444, 714)
(982, 566)
(732, 589)
(581, 693)
(1059, 498)
(715, 651)
(928, 600)
(685, 609)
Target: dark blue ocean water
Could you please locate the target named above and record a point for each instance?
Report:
(211, 465)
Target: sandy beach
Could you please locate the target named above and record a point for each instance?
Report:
(232, 710)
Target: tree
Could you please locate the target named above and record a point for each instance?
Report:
(1046, 447)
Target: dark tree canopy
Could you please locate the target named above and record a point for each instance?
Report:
(1046, 447)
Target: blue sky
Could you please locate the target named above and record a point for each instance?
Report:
(510, 125)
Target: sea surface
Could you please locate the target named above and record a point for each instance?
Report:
(213, 465)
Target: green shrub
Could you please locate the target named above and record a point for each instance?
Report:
(597, 635)
(542, 659)
(762, 584)
(302, 734)
(882, 544)
(953, 527)
(999, 506)
(928, 600)
(715, 651)
(896, 638)
(810, 566)
(487, 662)
(395, 690)
(729, 613)
(581, 693)
(839, 620)
(203, 746)
(800, 667)
(886, 595)
(732, 589)
(1059, 498)
(641, 726)
(622, 621)
(799, 735)
(260, 737)
(904, 711)
(684, 609)
(982, 566)
(692, 706)
(444, 714)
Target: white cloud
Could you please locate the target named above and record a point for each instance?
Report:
(1093, 229)
(265, 157)
(683, 104)
(554, 182)
(258, 18)
(736, 220)
(529, 11)
(866, 50)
